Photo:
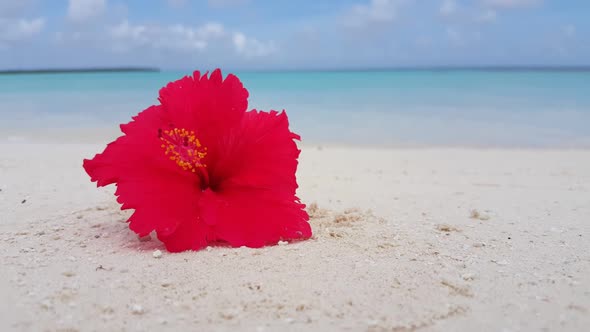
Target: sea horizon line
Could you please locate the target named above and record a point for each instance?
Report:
(483, 68)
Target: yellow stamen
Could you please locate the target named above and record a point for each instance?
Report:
(184, 148)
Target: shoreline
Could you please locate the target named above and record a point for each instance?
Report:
(108, 133)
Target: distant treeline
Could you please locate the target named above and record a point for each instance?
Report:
(312, 70)
(78, 70)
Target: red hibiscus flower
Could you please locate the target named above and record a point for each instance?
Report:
(199, 168)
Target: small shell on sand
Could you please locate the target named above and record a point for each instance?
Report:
(157, 254)
(501, 263)
(137, 309)
(468, 276)
(477, 215)
(447, 228)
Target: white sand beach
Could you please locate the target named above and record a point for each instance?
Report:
(434, 239)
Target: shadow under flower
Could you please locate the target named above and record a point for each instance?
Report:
(109, 223)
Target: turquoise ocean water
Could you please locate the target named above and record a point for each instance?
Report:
(408, 107)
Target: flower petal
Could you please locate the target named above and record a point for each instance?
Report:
(191, 234)
(254, 217)
(259, 153)
(209, 105)
(161, 193)
(253, 184)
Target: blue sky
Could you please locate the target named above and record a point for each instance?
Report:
(289, 34)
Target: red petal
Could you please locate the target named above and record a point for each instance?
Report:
(254, 182)
(254, 217)
(208, 105)
(260, 153)
(191, 234)
(162, 194)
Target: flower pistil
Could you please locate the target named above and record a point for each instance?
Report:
(184, 148)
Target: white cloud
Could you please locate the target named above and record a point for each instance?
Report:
(82, 10)
(509, 4)
(178, 37)
(126, 37)
(448, 7)
(252, 47)
(376, 11)
(212, 30)
(12, 30)
(452, 12)
(486, 11)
